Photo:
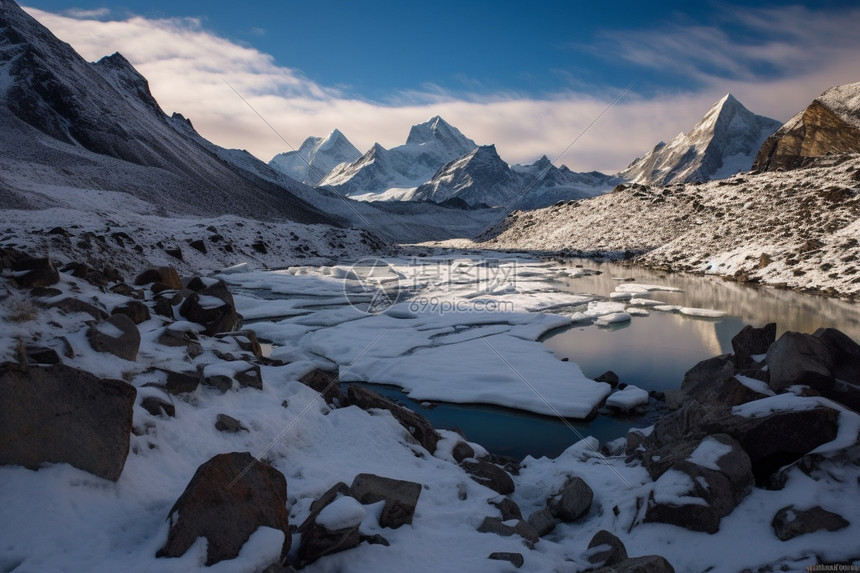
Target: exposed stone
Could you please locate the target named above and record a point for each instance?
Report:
(506, 528)
(229, 497)
(220, 382)
(62, 415)
(572, 501)
(158, 407)
(45, 292)
(400, 497)
(751, 341)
(508, 508)
(250, 377)
(172, 335)
(542, 521)
(645, 564)
(609, 377)
(462, 451)
(318, 542)
(198, 245)
(69, 305)
(225, 423)
(164, 275)
(42, 355)
(320, 503)
(135, 310)
(515, 559)
(490, 475)
(246, 339)
(734, 393)
(181, 382)
(846, 366)
(174, 252)
(704, 381)
(790, 522)
(327, 383)
(35, 272)
(798, 358)
(213, 308)
(117, 335)
(162, 307)
(605, 549)
(418, 426)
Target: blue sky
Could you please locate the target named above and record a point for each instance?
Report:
(525, 76)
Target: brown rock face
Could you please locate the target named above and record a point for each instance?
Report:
(818, 131)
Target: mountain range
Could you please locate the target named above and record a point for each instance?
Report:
(439, 164)
(316, 157)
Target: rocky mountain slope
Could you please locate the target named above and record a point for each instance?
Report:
(830, 124)
(70, 123)
(429, 146)
(316, 157)
(481, 177)
(723, 143)
(797, 229)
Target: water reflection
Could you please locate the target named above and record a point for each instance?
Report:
(654, 351)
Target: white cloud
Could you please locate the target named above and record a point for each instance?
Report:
(188, 69)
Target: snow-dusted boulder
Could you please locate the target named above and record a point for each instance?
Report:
(117, 335)
(789, 522)
(572, 501)
(229, 497)
(400, 497)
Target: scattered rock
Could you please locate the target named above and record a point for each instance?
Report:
(246, 339)
(572, 501)
(213, 308)
(225, 423)
(181, 382)
(62, 415)
(515, 559)
(335, 529)
(33, 272)
(198, 245)
(790, 522)
(751, 341)
(69, 305)
(508, 528)
(798, 358)
(250, 377)
(229, 497)
(462, 451)
(41, 355)
(117, 335)
(645, 564)
(158, 407)
(705, 380)
(490, 475)
(164, 275)
(609, 377)
(135, 310)
(400, 497)
(542, 521)
(327, 383)
(162, 307)
(605, 549)
(508, 508)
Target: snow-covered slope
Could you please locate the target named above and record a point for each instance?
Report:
(316, 157)
(723, 143)
(67, 122)
(797, 229)
(830, 124)
(481, 177)
(429, 146)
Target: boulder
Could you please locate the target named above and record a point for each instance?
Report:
(166, 276)
(181, 382)
(462, 451)
(158, 407)
(605, 549)
(117, 335)
(41, 355)
(57, 414)
(213, 308)
(508, 508)
(644, 564)
(515, 559)
(572, 501)
(225, 423)
(490, 475)
(229, 497)
(418, 426)
(800, 359)
(542, 521)
(790, 522)
(735, 392)
(704, 381)
(135, 310)
(250, 377)
(508, 528)
(334, 529)
(400, 497)
(162, 307)
(69, 305)
(751, 341)
(30, 272)
(246, 339)
(337, 490)
(846, 366)
(327, 383)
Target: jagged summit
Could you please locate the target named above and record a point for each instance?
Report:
(724, 142)
(316, 157)
(437, 129)
(830, 124)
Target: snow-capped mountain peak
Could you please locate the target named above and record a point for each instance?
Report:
(722, 143)
(316, 157)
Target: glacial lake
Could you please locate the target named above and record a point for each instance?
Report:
(652, 352)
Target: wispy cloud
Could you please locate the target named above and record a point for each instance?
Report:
(80, 13)
(782, 60)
